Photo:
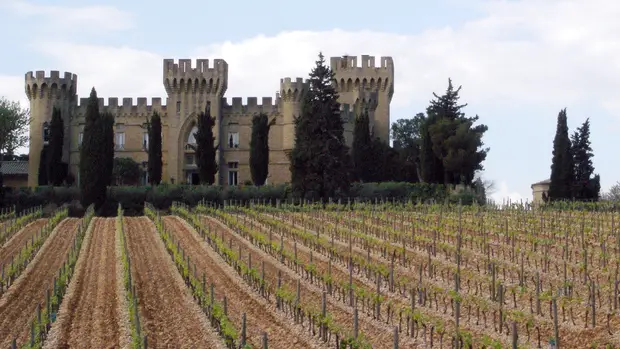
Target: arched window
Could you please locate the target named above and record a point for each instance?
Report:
(191, 138)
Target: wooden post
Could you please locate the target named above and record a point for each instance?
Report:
(145, 342)
(515, 337)
(225, 306)
(350, 281)
(265, 345)
(556, 332)
(395, 337)
(243, 338)
(355, 323)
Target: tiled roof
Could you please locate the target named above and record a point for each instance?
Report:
(14, 167)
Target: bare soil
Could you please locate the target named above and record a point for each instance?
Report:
(261, 316)
(18, 241)
(18, 305)
(169, 316)
(88, 317)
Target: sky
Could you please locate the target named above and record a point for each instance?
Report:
(519, 62)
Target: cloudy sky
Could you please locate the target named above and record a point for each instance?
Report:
(519, 61)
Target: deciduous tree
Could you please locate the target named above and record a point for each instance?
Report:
(126, 171)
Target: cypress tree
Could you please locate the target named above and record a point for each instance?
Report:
(361, 149)
(205, 147)
(259, 149)
(585, 185)
(154, 151)
(43, 168)
(107, 130)
(54, 156)
(562, 166)
(92, 156)
(320, 159)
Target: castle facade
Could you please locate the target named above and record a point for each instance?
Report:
(189, 88)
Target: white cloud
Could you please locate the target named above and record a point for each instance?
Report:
(101, 18)
(504, 194)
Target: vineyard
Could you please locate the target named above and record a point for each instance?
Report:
(382, 275)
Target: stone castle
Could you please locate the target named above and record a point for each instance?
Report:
(189, 89)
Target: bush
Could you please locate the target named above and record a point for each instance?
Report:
(132, 198)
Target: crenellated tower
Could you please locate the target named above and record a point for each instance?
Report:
(366, 85)
(44, 93)
(291, 95)
(189, 89)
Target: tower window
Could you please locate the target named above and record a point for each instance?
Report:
(233, 139)
(232, 173)
(80, 138)
(178, 108)
(120, 141)
(145, 141)
(46, 132)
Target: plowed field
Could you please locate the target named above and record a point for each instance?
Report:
(169, 316)
(88, 317)
(18, 305)
(261, 316)
(18, 241)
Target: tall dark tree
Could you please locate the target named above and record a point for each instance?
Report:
(154, 149)
(407, 136)
(361, 149)
(43, 168)
(320, 159)
(54, 156)
(585, 187)
(205, 147)
(451, 149)
(562, 166)
(107, 131)
(259, 149)
(93, 181)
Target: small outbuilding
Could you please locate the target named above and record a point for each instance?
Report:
(540, 190)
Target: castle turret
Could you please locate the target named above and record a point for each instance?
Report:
(291, 94)
(357, 83)
(44, 93)
(189, 89)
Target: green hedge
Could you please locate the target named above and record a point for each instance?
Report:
(132, 198)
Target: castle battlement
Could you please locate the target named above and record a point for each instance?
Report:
(126, 108)
(349, 63)
(251, 107)
(39, 84)
(293, 90)
(181, 76)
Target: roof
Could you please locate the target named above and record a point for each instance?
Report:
(546, 181)
(14, 167)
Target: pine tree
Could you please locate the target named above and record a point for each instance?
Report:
(92, 156)
(361, 149)
(205, 147)
(154, 149)
(259, 149)
(584, 187)
(320, 159)
(54, 156)
(562, 166)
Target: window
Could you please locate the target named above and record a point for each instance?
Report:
(178, 108)
(191, 138)
(80, 138)
(232, 173)
(189, 159)
(120, 141)
(233, 139)
(46, 132)
(145, 141)
(145, 178)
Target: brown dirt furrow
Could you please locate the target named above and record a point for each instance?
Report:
(379, 335)
(88, 316)
(18, 241)
(168, 314)
(260, 314)
(18, 305)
